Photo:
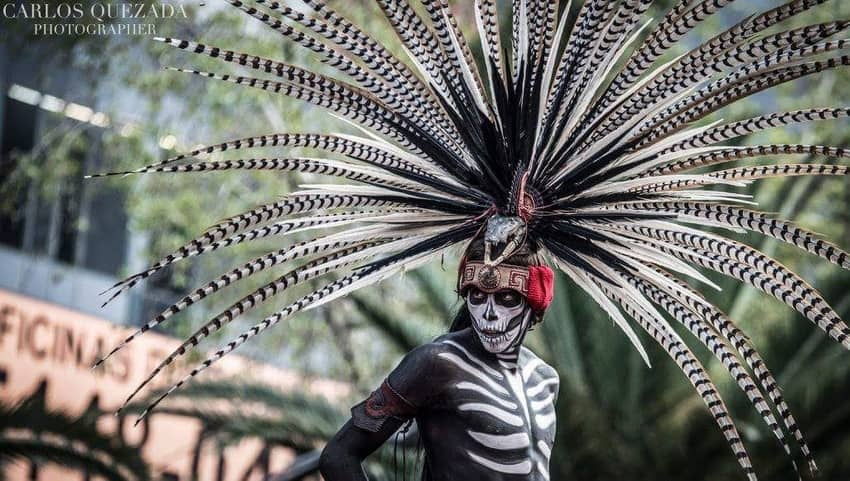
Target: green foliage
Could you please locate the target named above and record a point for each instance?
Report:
(30, 431)
(232, 410)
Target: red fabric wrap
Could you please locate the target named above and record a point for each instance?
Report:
(386, 402)
(541, 287)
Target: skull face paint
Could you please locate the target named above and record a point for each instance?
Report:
(500, 319)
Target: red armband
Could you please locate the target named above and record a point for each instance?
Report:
(382, 404)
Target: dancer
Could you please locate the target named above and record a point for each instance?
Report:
(483, 403)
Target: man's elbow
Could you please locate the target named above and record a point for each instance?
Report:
(331, 461)
(326, 460)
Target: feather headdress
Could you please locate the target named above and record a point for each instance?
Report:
(570, 137)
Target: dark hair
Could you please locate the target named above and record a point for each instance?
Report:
(524, 256)
(462, 319)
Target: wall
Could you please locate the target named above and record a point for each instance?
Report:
(42, 342)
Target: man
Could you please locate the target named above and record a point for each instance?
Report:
(484, 404)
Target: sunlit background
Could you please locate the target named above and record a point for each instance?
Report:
(73, 105)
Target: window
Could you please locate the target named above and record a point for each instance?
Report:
(17, 137)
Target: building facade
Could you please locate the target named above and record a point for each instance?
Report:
(61, 244)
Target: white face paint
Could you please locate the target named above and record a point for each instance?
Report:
(499, 319)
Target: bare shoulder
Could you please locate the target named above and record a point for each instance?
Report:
(421, 376)
(531, 364)
(426, 355)
(430, 358)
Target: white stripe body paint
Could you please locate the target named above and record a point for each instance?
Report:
(502, 441)
(544, 470)
(482, 390)
(497, 413)
(545, 449)
(478, 362)
(507, 365)
(518, 386)
(545, 421)
(473, 370)
(540, 387)
(523, 467)
(529, 368)
(517, 397)
(542, 404)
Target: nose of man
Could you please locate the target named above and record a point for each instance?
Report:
(490, 312)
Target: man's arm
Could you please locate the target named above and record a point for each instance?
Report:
(410, 387)
(343, 456)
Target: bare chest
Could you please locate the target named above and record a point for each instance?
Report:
(504, 412)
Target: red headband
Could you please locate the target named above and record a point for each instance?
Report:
(536, 283)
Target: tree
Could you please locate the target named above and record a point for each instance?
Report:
(30, 431)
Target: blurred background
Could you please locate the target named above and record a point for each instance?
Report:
(77, 104)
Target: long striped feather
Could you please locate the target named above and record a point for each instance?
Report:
(652, 322)
(697, 327)
(280, 284)
(241, 222)
(364, 275)
(581, 123)
(725, 51)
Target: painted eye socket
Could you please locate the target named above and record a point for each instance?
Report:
(508, 298)
(476, 296)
